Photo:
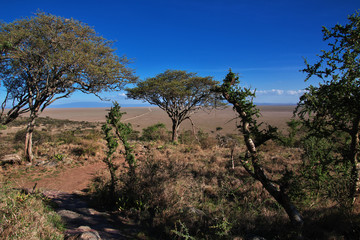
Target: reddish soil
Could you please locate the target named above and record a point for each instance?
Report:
(65, 189)
(69, 180)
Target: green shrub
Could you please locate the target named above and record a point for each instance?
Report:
(155, 132)
(323, 178)
(39, 137)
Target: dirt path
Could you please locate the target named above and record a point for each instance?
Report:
(138, 116)
(66, 190)
(70, 180)
(89, 223)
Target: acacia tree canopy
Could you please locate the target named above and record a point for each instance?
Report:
(333, 106)
(178, 93)
(45, 58)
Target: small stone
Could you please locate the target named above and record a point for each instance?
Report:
(50, 164)
(10, 159)
(68, 214)
(89, 236)
(85, 233)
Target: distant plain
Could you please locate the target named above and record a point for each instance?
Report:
(222, 121)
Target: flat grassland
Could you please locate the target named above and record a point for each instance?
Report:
(208, 121)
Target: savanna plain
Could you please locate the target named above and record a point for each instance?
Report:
(194, 189)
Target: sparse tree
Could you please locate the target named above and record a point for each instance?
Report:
(45, 58)
(241, 99)
(333, 106)
(178, 93)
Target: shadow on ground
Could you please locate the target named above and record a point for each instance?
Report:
(79, 217)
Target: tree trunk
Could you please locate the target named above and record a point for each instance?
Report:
(28, 138)
(175, 128)
(259, 174)
(355, 165)
(193, 129)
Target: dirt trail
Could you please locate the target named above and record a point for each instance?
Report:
(81, 219)
(66, 190)
(138, 116)
(70, 180)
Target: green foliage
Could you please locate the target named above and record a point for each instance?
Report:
(155, 132)
(333, 106)
(122, 131)
(182, 232)
(59, 157)
(324, 176)
(241, 95)
(293, 138)
(222, 228)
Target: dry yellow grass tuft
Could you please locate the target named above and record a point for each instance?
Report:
(24, 216)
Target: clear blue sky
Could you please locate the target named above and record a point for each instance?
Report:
(264, 41)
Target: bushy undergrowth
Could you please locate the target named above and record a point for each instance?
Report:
(193, 192)
(24, 216)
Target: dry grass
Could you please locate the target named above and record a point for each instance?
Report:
(197, 187)
(25, 216)
(191, 189)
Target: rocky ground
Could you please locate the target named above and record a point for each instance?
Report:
(83, 222)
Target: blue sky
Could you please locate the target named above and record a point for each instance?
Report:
(264, 41)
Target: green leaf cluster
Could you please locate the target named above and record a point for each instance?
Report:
(116, 130)
(331, 110)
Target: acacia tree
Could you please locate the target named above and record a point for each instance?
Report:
(46, 58)
(241, 99)
(333, 106)
(178, 93)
